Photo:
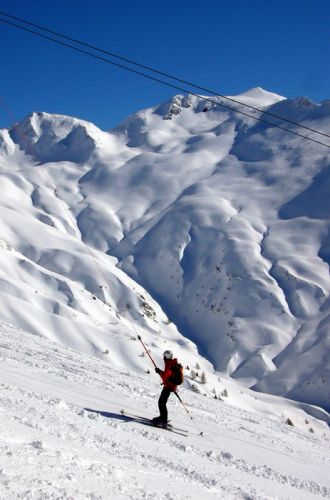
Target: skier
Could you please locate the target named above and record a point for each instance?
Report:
(172, 375)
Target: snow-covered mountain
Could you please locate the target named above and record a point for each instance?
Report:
(188, 223)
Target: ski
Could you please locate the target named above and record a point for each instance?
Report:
(149, 422)
(129, 414)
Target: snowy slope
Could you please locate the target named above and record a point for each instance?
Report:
(62, 435)
(222, 221)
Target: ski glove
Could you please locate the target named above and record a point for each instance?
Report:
(157, 370)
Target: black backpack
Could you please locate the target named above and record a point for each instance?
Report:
(177, 374)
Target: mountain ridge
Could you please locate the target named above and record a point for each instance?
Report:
(223, 220)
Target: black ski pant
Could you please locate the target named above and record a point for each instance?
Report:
(162, 404)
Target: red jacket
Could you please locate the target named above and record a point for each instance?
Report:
(166, 374)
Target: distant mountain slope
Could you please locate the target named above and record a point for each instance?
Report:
(222, 219)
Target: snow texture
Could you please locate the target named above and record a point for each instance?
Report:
(62, 434)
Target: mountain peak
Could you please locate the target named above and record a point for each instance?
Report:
(259, 97)
(53, 137)
(256, 96)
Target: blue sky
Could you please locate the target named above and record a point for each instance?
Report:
(282, 46)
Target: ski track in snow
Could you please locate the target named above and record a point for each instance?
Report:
(62, 436)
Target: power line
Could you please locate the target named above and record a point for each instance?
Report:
(158, 80)
(162, 73)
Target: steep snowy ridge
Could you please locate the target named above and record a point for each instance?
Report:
(220, 222)
(59, 138)
(7, 146)
(258, 97)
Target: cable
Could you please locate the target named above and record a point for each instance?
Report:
(77, 49)
(167, 75)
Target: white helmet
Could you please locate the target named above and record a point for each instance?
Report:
(168, 354)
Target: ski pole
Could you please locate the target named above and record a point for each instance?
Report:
(184, 406)
(140, 339)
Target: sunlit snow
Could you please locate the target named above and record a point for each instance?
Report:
(200, 229)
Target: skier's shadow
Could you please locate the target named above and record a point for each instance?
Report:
(107, 414)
